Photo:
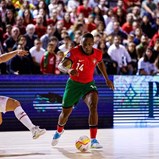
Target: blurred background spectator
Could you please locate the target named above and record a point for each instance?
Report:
(37, 53)
(131, 26)
(48, 62)
(146, 64)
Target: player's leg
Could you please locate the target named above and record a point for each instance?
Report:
(15, 106)
(63, 117)
(71, 97)
(3, 101)
(1, 118)
(91, 99)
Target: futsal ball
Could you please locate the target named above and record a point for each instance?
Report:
(83, 143)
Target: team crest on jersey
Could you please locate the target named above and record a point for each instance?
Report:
(68, 54)
(94, 61)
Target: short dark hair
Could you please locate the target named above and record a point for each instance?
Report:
(88, 35)
(50, 44)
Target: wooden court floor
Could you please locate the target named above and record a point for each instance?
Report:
(130, 143)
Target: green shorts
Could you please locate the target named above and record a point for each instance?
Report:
(74, 91)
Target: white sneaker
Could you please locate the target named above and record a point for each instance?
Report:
(56, 138)
(36, 132)
(95, 144)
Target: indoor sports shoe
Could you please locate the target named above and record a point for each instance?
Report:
(56, 138)
(95, 144)
(36, 132)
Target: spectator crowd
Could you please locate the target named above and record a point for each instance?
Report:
(127, 32)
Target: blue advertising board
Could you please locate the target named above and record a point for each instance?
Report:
(136, 101)
(41, 98)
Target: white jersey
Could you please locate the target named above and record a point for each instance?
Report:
(37, 55)
(3, 102)
(118, 53)
(146, 66)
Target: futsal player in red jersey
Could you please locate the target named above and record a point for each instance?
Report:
(80, 63)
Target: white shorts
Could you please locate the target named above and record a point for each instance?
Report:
(3, 102)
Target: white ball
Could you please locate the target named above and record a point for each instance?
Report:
(83, 143)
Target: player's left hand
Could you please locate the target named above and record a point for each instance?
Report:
(110, 84)
(22, 52)
(73, 72)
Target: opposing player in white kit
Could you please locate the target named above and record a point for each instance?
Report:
(9, 104)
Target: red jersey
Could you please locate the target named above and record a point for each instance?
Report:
(130, 3)
(48, 64)
(85, 11)
(40, 30)
(83, 63)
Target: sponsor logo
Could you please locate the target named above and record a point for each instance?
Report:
(80, 60)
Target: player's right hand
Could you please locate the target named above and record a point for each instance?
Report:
(22, 52)
(73, 72)
(110, 84)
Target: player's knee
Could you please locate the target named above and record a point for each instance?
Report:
(93, 107)
(12, 104)
(16, 103)
(66, 112)
(1, 121)
(65, 115)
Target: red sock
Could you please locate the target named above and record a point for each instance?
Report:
(93, 132)
(60, 128)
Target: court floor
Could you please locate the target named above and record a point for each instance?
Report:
(130, 143)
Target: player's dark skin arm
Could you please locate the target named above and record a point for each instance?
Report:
(102, 69)
(65, 66)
